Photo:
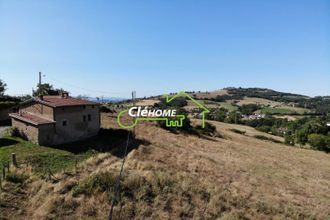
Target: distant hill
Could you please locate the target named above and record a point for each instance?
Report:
(105, 99)
(319, 104)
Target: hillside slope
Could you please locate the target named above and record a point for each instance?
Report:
(177, 176)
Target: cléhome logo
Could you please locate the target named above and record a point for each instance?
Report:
(146, 112)
(170, 116)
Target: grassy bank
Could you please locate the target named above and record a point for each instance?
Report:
(41, 158)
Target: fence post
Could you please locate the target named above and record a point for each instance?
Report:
(3, 171)
(76, 164)
(8, 166)
(13, 157)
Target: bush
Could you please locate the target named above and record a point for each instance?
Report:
(289, 140)
(233, 117)
(7, 104)
(186, 122)
(302, 136)
(208, 129)
(319, 142)
(264, 128)
(261, 137)
(218, 114)
(249, 109)
(105, 109)
(238, 131)
(15, 132)
(16, 178)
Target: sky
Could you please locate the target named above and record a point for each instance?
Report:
(110, 48)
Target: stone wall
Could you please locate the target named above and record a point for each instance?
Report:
(46, 134)
(28, 131)
(76, 123)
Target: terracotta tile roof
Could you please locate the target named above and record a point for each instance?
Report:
(58, 101)
(29, 118)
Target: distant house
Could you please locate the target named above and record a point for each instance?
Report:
(52, 120)
(253, 116)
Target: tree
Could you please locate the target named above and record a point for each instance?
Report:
(46, 89)
(301, 136)
(233, 117)
(319, 142)
(217, 114)
(248, 109)
(186, 122)
(3, 86)
(289, 139)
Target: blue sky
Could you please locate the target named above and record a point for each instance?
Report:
(110, 48)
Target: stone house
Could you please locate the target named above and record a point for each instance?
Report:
(53, 120)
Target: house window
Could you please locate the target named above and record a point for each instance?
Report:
(84, 107)
(93, 106)
(84, 118)
(64, 122)
(89, 117)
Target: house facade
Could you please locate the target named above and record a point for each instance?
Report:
(53, 120)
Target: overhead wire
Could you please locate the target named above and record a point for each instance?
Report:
(86, 89)
(117, 187)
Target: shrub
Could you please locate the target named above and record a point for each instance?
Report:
(238, 131)
(248, 109)
(319, 142)
(186, 122)
(208, 129)
(289, 140)
(16, 178)
(7, 104)
(105, 109)
(218, 114)
(264, 128)
(14, 132)
(261, 137)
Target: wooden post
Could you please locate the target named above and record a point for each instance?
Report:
(49, 175)
(76, 164)
(3, 171)
(13, 157)
(8, 166)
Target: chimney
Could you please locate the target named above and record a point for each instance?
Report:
(41, 97)
(64, 95)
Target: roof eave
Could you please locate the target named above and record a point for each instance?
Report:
(30, 121)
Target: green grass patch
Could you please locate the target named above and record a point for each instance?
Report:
(229, 106)
(283, 111)
(42, 159)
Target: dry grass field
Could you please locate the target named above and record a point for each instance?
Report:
(147, 102)
(212, 94)
(259, 101)
(180, 176)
